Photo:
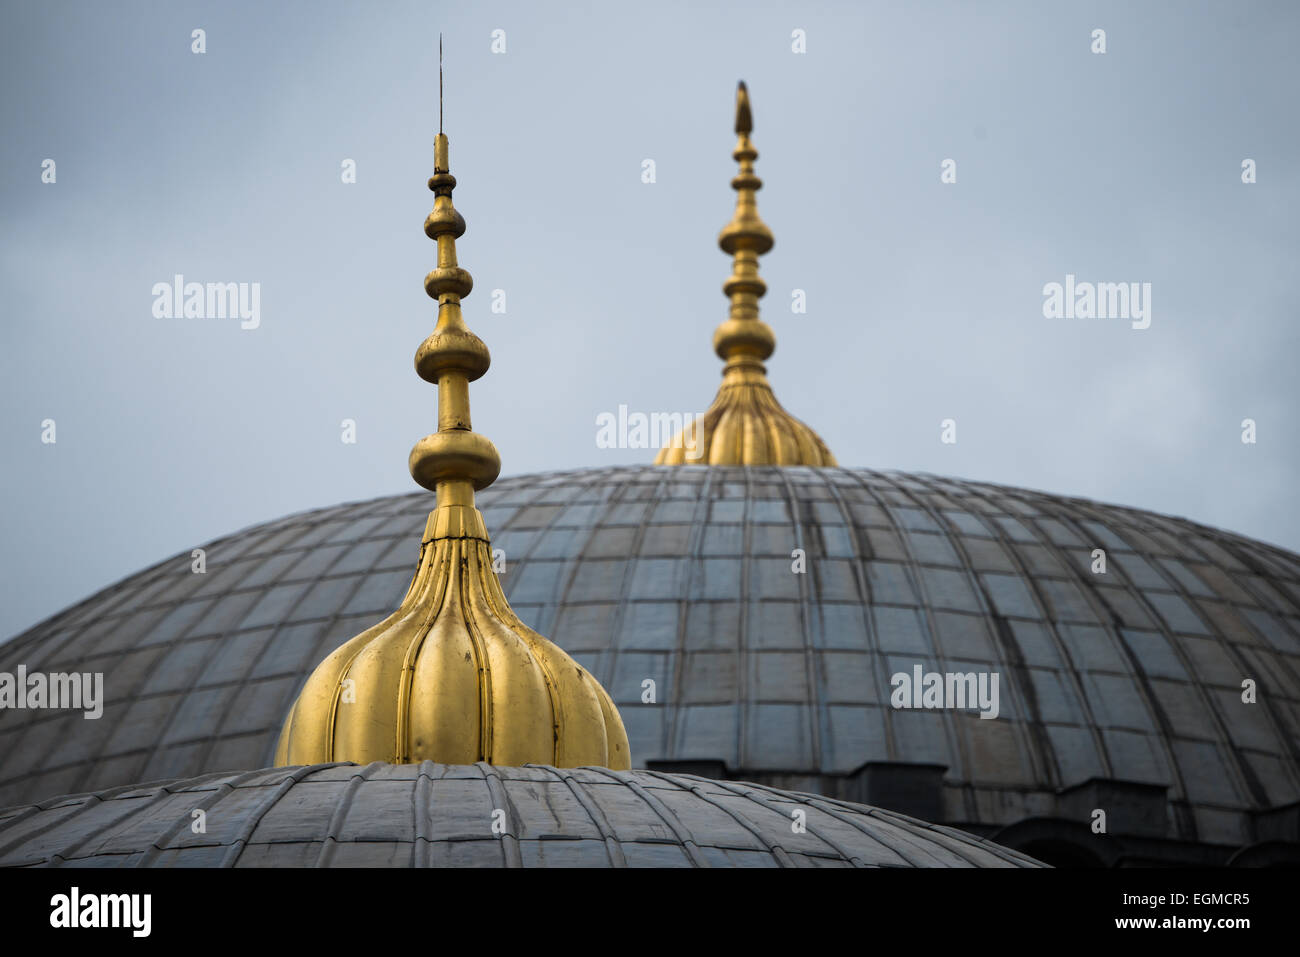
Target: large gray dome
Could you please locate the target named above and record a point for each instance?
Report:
(1119, 690)
(438, 815)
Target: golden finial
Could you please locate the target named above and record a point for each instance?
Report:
(453, 675)
(746, 425)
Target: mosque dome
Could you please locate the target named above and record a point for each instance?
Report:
(1126, 683)
(481, 815)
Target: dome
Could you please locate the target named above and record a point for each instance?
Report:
(431, 815)
(1120, 690)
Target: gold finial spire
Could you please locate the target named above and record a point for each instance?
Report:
(746, 425)
(453, 675)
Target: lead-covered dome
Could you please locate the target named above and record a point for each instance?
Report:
(1120, 690)
(438, 815)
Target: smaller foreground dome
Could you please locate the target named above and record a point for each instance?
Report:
(480, 815)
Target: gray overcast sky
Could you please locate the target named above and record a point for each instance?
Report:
(924, 300)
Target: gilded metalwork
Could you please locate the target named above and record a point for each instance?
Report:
(745, 425)
(453, 675)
